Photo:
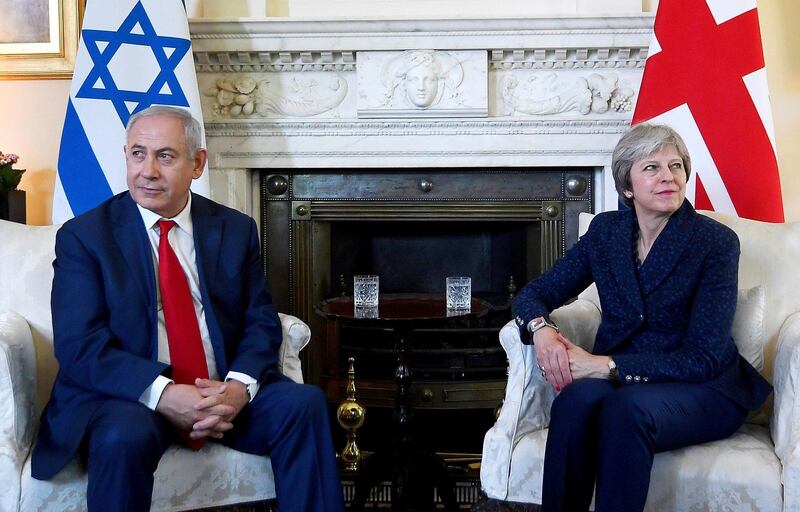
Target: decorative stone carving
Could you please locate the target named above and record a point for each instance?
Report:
(273, 62)
(568, 58)
(546, 94)
(244, 96)
(422, 83)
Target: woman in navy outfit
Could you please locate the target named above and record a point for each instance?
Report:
(664, 371)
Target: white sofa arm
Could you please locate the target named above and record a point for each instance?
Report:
(528, 397)
(17, 403)
(786, 412)
(296, 335)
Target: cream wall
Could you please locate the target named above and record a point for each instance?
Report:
(32, 112)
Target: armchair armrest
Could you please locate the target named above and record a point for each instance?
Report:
(296, 335)
(578, 321)
(17, 403)
(785, 424)
(526, 407)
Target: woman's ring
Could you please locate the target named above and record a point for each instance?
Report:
(541, 369)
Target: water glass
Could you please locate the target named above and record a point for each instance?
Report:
(365, 291)
(365, 312)
(459, 293)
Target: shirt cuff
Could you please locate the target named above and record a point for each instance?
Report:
(152, 394)
(249, 382)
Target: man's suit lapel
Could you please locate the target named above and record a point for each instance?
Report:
(131, 236)
(207, 236)
(208, 228)
(668, 248)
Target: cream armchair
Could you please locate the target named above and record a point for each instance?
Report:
(185, 480)
(757, 469)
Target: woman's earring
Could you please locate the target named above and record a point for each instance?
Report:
(628, 194)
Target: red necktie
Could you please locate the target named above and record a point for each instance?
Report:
(186, 354)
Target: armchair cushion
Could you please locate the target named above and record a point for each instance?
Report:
(748, 325)
(785, 423)
(296, 336)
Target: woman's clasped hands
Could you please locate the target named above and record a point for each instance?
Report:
(560, 361)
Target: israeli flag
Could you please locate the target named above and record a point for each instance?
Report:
(132, 54)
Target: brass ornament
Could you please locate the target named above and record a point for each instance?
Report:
(350, 415)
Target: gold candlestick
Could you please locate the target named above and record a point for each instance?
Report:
(351, 416)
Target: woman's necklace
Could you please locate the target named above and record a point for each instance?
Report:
(637, 253)
(642, 251)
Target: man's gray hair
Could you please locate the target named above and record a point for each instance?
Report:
(637, 144)
(191, 126)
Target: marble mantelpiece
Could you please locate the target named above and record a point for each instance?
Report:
(284, 93)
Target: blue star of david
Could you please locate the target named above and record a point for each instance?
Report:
(100, 73)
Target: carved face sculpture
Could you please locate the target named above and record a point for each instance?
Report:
(422, 81)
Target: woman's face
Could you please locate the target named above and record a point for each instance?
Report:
(422, 84)
(659, 183)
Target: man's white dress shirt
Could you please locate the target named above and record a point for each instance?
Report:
(181, 239)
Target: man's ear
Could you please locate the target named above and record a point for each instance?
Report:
(200, 159)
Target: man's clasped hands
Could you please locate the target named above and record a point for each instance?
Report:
(205, 409)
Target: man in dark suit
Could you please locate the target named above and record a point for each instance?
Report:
(165, 332)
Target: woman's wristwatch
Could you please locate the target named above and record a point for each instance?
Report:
(537, 323)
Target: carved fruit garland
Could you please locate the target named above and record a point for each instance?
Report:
(244, 96)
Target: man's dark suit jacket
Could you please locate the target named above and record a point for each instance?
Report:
(105, 317)
(670, 320)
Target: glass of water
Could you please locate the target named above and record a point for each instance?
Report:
(365, 311)
(365, 291)
(459, 293)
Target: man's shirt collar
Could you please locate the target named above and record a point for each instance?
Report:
(183, 219)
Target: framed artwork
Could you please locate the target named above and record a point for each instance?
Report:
(39, 38)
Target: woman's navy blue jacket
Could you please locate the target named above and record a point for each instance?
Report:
(671, 319)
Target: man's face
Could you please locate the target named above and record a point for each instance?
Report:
(160, 168)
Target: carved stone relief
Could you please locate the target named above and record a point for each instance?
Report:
(551, 93)
(422, 83)
(245, 96)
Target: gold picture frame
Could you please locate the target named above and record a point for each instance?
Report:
(49, 55)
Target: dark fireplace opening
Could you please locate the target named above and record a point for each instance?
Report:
(416, 257)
